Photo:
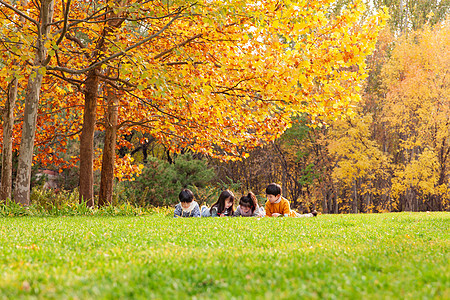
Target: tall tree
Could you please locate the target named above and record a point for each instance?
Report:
(10, 104)
(176, 70)
(206, 79)
(108, 156)
(360, 165)
(411, 15)
(42, 28)
(417, 111)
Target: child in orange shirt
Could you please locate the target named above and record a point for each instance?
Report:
(278, 206)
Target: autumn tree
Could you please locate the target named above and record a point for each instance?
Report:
(297, 160)
(10, 81)
(41, 28)
(361, 166)
(411, 15)
(170, 116)
(417, 112)
(206, 79)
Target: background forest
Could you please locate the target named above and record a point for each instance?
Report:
(388, 152)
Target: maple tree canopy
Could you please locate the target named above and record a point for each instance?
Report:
(216, 77)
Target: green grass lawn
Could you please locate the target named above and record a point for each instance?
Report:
(376, 256)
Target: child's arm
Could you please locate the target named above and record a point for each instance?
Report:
(178, 211)
(237, 213)
(286, 209)
(214, 211)
(256, 213)
(196, 211)
(268, 210)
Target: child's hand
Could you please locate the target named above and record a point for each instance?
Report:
(276, 215)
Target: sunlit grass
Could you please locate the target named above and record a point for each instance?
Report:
(342, 256)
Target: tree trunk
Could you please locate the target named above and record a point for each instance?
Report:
(23, 178)
(330, 198)
(325, 199)
(8, 127)
(367, 203)
(335, 201)
(355, 199)
(283, 182)
(90, 115)
(107, 176)
(8, 124)
(409, 195)
(87, 139)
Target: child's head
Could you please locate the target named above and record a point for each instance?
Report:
(248, 203)
(225, 202)
(273, 192)
(186, 197)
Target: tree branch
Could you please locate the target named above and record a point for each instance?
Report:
(19, 12)
(66, 16)
(76, 40)
(107, 78)
(177, 46)
(156, 107)
(93, 66)
(77, 21)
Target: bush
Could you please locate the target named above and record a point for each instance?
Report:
(49, 198)
(160, 182)
(47, 202)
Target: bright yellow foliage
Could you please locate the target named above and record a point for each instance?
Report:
(417, 109)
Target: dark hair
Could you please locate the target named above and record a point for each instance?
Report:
(273, 189)
(249, 201)
(220, 204)
(186, 196)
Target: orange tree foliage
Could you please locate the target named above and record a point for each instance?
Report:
(233, 80)
(417, 112)
(58, 118)
(218, 78)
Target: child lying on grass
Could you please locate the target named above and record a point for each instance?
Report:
(222, 208)
(187, 206)
(248, 207)
(278, 206)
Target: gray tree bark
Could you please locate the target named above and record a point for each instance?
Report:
(8, 126)
(22, 188)
(8, 123)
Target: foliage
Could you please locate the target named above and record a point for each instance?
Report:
(207, 195)
(417, 110)
(411, 15)
(229, 184)
(392, 155)
(388, 256)
(160, 181)
(208, 80)
(192, 172)
(50, 203)
(360, 164)
(291, 161)
(53, 199)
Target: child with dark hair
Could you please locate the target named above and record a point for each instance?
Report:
(248, 207)
(278, 206)
(222, 208)
(187, 206)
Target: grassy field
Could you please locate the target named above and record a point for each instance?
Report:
(378, 256)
